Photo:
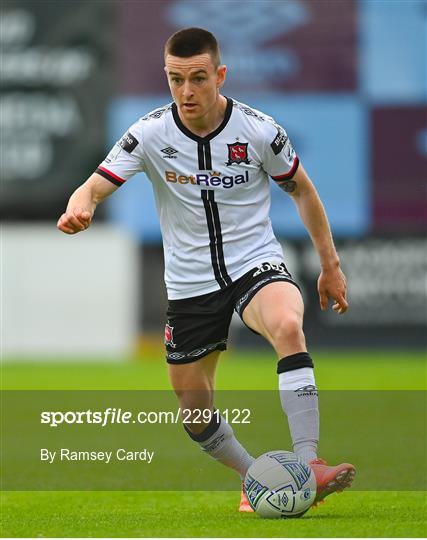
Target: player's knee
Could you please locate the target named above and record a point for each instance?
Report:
(194, 399)
(288, 329)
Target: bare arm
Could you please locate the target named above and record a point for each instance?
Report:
(332, 282)
(82, 204)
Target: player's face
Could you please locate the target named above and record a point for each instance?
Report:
(194, 84)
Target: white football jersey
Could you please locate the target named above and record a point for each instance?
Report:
(212, 193)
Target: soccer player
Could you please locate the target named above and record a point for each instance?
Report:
(208, 158)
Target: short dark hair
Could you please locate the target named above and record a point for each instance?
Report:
(191, 41)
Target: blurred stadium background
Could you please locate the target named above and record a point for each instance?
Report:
(347, 79)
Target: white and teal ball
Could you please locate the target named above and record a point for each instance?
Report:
(279, 485)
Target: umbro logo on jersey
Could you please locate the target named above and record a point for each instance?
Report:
(169, 152)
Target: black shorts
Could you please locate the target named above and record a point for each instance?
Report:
(199, 325)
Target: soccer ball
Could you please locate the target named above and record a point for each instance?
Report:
(279, 485)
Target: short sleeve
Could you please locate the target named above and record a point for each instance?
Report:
(280, 160)
(125, 159)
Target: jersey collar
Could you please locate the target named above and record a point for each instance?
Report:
(191, 135)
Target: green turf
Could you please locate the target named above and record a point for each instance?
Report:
(207, 514)
(344, 370)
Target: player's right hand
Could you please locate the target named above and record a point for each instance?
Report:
(72, 222)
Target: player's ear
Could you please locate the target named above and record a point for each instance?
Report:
(167, 77)
(221, 74)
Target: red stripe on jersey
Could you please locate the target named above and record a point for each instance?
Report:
(121, 180)
(289, 174)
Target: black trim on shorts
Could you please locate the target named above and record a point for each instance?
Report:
(215, 238)
(192, 356)
(244, 300)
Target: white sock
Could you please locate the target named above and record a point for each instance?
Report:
(298, 396)
(218, 440)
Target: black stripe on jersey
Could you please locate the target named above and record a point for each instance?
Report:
(201, 156)
(215, 238)
(208, 157)
(204, 156)
(220, 249)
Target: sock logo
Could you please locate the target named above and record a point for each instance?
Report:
(214, 444)
(309, 390)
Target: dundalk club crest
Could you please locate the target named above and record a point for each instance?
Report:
(169, 336)
(237, 153)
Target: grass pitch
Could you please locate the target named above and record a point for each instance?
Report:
(213, 514)
(206, 514)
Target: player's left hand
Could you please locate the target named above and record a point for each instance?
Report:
(332, 284)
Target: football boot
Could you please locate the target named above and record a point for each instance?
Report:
(244, 503)
(331, 479)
